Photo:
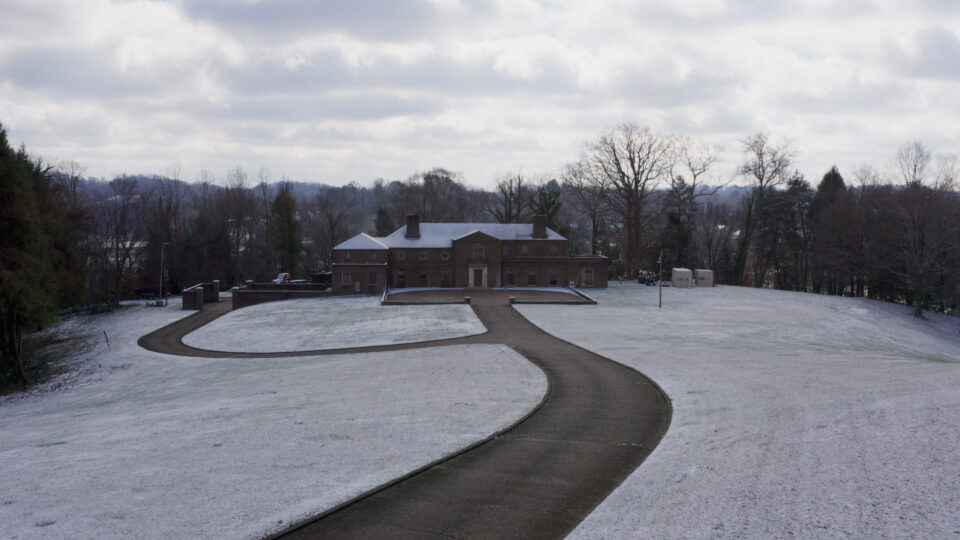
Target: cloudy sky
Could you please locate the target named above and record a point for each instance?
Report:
(336, 91)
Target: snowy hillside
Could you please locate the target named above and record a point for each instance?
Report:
(795, 415)
(146, 445)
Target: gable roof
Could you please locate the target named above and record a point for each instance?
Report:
(440, 235)
(472, 233)
(361, 241)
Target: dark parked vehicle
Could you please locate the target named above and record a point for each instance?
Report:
(647, 279)
(322, 278)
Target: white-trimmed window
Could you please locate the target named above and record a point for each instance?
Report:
(373, 256)
(422, 255)
(346, 256)
(372, 280)
(524, 250)
(531, 276)
(345, 280)
(554, 250)
(506, 250)
(401, 255)
(588, 277)
(509, 277)
(477, 252)
(554, 275)
(444, 255)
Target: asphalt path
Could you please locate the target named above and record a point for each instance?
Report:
(538, 479)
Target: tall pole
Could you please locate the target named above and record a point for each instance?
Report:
(160, 289)
(660, 281)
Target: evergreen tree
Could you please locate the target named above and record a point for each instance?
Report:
(382, 224)
(29, 284)
(286, 228)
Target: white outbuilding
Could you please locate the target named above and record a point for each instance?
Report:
(682, 277)
(703, 277)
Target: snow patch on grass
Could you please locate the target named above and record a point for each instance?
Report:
(158, 446)
(795, 415)
(332, 323)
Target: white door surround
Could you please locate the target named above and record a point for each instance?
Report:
(471, 272)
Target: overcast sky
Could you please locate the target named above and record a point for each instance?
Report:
(337, 91)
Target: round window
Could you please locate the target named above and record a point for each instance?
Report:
(401, 255)
(444, 255)
(422, 256)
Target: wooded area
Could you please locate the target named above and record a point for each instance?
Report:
(71, 242)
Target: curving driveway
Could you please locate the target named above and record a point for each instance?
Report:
(537, 479)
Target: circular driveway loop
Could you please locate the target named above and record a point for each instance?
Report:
(537, 479)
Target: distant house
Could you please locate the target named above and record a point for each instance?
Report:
(463, 255)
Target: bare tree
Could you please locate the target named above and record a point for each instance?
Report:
(628, 164)
(122, 233)
(926, 215)
(512, 203)
(587, 197)
(765, 166)
(332, 219)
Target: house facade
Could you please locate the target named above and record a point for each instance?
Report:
(463, 255)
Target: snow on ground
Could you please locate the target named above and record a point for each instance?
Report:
(795, 415)
(156, 446)
(332, 323)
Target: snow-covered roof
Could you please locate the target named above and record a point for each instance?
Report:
(439, 235)
(361, 241)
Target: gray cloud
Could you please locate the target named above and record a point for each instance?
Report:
(73, 73)
(937, 55)
(393, 20)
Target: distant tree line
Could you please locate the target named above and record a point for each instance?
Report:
(633, 195)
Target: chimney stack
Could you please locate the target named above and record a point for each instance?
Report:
(539, 226)
(413, 226)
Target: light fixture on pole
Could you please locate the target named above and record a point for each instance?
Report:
(160, 294)
(660, 281)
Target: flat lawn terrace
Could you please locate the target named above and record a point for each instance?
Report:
(332, 323)
(795, 415)
(145, 445)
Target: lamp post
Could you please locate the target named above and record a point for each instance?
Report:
(660, 281)
(160, 294)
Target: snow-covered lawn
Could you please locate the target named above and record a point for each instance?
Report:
(795, 415)
(332, 323)
(145, 445)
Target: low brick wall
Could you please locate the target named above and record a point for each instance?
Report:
(285, 286)
(248, 297)
(211, 292)
(193, 298)
(201, 293)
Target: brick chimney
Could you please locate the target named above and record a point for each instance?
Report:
(539, 226)
(413, 226)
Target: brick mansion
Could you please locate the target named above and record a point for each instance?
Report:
(463, 255)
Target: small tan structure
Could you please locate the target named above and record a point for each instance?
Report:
(703, 277)
(682, 277)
